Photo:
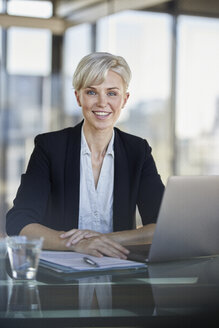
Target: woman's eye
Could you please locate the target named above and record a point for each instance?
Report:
(91, 92)
(112, 93)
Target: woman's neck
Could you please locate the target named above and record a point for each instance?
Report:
(97, 140)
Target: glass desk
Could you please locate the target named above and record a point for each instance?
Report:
(177, 294)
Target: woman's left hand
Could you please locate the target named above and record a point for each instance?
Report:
(75, 235)
(100, 246)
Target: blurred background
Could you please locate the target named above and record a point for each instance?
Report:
(173, 51)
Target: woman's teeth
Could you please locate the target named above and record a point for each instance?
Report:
(102, 113)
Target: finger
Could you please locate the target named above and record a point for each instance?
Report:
(95, 252)
(114, 252)
(111, 252)
(84, 247)
(71, 240)
(68, 233)
(108, 247)
(117, 246)
(80, 234)
(74, 233)
(77, 238)
(91, 234)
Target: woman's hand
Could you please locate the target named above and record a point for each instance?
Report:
(76, 235)
(99, 246)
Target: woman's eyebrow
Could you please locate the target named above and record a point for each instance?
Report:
(111, 88)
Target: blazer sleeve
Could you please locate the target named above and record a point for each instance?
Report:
(32, 195)
(151, 188)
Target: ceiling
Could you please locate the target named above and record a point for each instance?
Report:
(73, 12)
(91, 10)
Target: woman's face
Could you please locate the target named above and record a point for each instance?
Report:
(101, 104)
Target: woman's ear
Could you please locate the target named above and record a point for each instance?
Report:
(125, 99)
(77, 95)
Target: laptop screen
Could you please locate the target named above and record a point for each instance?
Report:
(188, 221)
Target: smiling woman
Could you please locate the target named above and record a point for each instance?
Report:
(89, 179)
(102, 104)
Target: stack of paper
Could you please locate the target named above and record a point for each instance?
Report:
(75, 262)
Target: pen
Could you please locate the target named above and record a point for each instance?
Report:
(90, 261)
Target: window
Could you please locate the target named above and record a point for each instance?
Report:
(41, 9)
(197, 120)
(28, 105)
(1, 47)
(148, 110)
(73, 53)
(29, 51)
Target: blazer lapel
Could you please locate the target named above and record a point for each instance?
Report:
(121, 213)
(72, 177)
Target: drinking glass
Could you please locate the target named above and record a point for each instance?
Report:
(24, 255)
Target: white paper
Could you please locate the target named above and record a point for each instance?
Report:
(75, 261)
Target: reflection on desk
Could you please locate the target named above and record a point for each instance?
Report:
(201, 298)
(166, 295)
(95, 293)
(23, 301)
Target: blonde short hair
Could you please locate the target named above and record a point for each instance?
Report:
(92, 69)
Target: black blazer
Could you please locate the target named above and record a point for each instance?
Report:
(49, 190)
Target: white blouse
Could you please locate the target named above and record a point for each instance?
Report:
(96, 204)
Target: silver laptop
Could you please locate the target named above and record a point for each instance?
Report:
(188, 221)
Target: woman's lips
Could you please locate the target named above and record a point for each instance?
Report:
(101, 114)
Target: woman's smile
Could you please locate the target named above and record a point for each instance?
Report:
(101, 115)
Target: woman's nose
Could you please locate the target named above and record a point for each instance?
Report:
(101, 101)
